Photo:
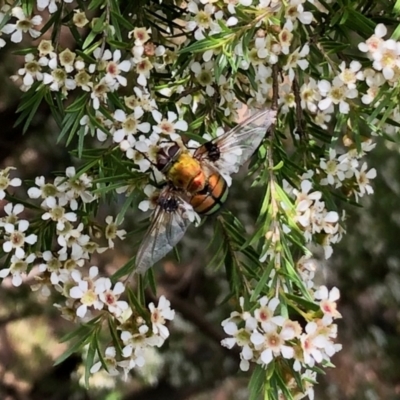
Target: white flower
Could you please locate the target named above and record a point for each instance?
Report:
(84, 291)
(149, 204)
(335, 171)
(110, 297)
(265, 313)
(374, 42)
(12, 211)
(114, 68)
(285, 36)
(110, 361)
(139, 340)
(272, 344)
(158, 316)
(351, 75)
(99, 93)
(23, 25)
(57, 213)
(310, 95)
(311, 344)
(130, 124)
(328, 301)
(111, 232)
(204, 75)
(143, 152)
(16, 239)
(58, 78)
(105, 123)
(304, 199)
(335, 93)
(296, 10)
(77, 187)
(168, 126)
(297, 59)
(5, 181)
(141, 35)
(203, 20)
(50, 4)
(363, 179)
(386, 58)
(44, 190)
(32, 70)
(18, 266)
(321, 118)
(53, 265)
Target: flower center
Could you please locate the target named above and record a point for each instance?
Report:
(89, 298)
(4, 182)
(17, 239)
(203, 19)
(24, 25)
(49, 190)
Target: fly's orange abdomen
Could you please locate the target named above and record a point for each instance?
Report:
(212, 197)
(198, 182)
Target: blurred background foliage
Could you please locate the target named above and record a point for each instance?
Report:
(193, 366)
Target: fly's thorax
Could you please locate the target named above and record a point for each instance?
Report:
(186, 173)
(212, 197)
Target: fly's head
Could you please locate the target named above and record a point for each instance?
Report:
(167, 156)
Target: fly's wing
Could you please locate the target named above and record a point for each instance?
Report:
(166, 230)
(237, 145)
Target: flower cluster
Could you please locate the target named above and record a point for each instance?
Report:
(265, 334)
(136, 336)
(314, 219)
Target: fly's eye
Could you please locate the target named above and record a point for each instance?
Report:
(173, 150)
(162, 160)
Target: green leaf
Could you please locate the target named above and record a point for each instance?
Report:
(212, 42)
(304, 303)
(278, 166)
(93, 345)
(89, 39)
(152, 281)
(122, 21)
(71, 121)
(359, 23)
(125, 207)
(29, 108)
(71, 350)
(281, 383)
(95, 4)
(396, 33)
(257, 382)
(124, 270)
(220, 65)
(263, 281)
(83, 331)
(396, 10)
(137, 304)
(27, 6)
(81, 136)
(114, 334)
